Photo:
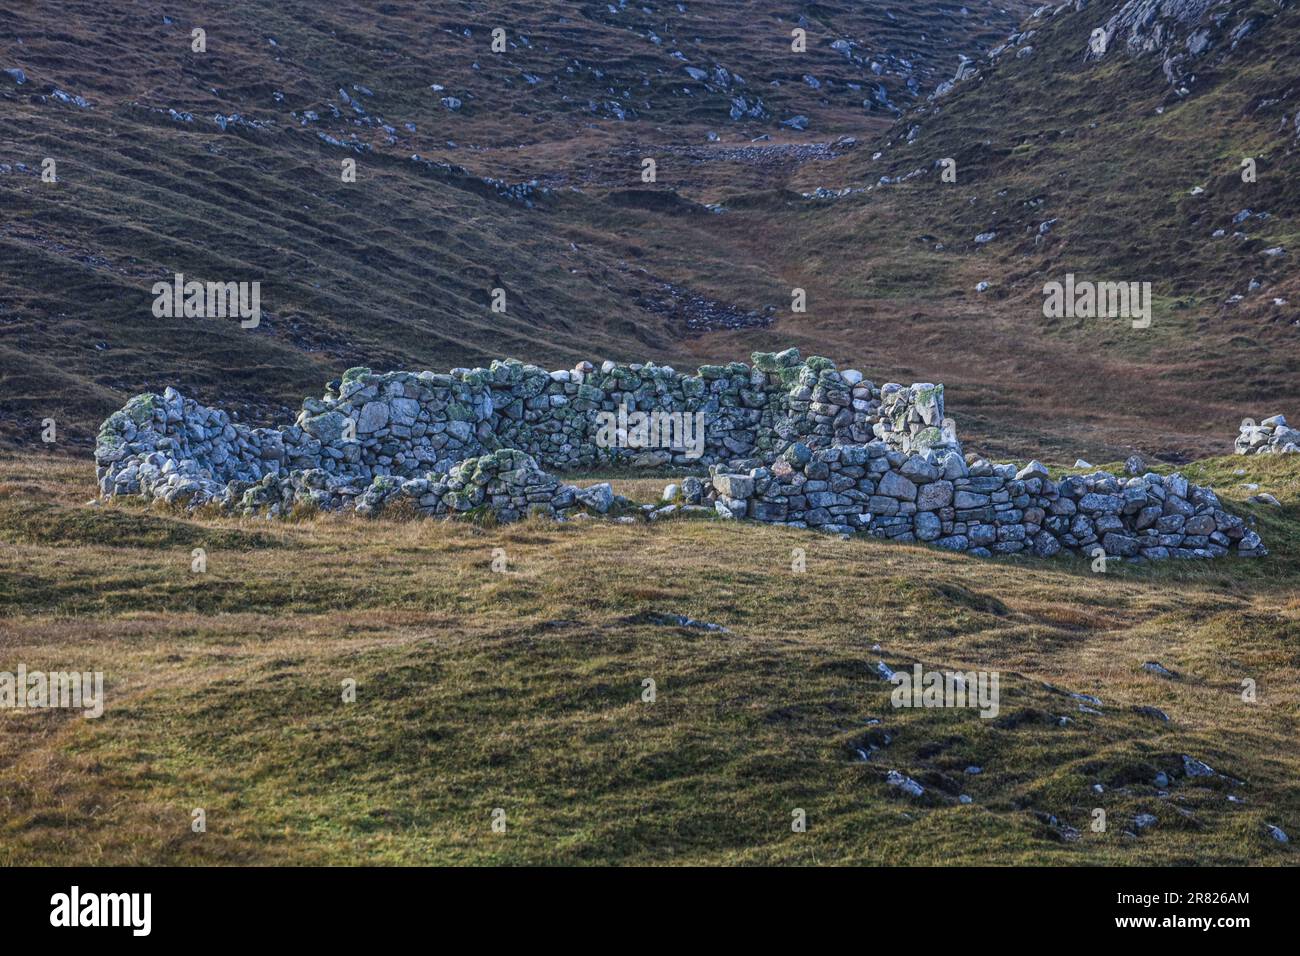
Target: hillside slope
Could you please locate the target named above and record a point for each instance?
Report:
(476, 170)
(523, 173)
(1126, 166)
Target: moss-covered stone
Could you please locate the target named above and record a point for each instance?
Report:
(141, 408)
(788, 358)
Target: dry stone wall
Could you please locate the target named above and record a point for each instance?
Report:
(407, 424)
(983, 508)
(786, 439)
(1272, 436)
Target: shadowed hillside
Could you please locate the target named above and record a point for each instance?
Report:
(521, 170)
(226, 165)
(1068, 161)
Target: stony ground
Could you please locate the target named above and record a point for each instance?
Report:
(522, 690)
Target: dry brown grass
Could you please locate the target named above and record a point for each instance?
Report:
(522, 690)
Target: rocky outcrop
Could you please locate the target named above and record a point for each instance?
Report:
(1272, 436)
(966, 69)
(983, 508)
(1181, 32)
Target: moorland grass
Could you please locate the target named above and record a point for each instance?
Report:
(522, 690)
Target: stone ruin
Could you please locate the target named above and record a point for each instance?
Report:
(1272, 436)
(406, 425)
(983, 508)
(785, 440)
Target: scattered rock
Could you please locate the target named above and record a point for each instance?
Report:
(681, 620)
(1196, 768)
(1264, 498)
(906, 784)
(600, 498)
(1154, 712)
(1271, 436)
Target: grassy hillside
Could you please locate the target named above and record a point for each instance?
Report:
(226, 165)
(396, 269)
(1132, 176)
(522, 690)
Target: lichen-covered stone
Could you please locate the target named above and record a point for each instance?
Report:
(993, 509)
(787, 440)
(1272, 436)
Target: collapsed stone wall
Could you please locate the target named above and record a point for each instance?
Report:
(983, 508)
(787, 440)
(405, 424)
(1272, 436)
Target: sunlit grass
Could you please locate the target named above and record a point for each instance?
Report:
(523, 691)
